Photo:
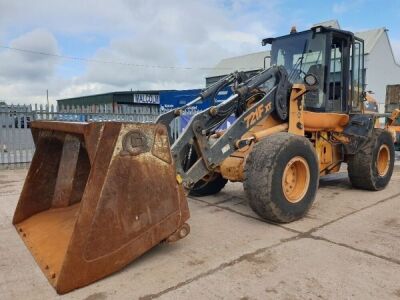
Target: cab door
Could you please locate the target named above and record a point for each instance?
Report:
(338, 82)
(357, 75)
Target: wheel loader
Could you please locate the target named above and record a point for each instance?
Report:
(98, 195)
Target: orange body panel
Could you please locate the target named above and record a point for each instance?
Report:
(300, 122)
(314, 121)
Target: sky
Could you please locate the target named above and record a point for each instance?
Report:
(101, 46)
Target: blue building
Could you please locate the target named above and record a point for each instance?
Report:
(141, 102)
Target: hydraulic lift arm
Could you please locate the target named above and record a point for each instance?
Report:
(212, 152)
(211, 91)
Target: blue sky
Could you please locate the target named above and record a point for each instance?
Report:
(356, 15)
(173, 33)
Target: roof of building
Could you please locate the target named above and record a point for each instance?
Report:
(370, 38)
(248, 62)
(255, 61)
(110, 94)
(125, 93)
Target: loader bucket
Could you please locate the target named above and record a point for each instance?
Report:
(97, 196)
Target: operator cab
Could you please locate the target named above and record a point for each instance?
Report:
(335, 57)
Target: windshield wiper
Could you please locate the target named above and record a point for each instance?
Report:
(302, 54)
(299, 62)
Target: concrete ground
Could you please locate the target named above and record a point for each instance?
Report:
(348, 246)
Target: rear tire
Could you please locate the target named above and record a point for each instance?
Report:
(372, 166)
(206, 188)
(281, 177)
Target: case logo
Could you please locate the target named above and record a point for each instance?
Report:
(134, 143)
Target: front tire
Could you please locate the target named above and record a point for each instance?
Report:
(372, 166)
(211, 185)
(281, 177)
(206, 188)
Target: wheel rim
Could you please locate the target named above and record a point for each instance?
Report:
(383, 160)
(296, 179)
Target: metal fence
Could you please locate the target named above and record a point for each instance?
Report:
(16, 143)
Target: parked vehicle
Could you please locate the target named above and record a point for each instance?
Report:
(98, 195)
(392, 102)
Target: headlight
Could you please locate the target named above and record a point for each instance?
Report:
(310, 79)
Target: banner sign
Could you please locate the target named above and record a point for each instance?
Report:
(146, 98)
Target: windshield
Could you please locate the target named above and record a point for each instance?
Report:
(301, 54)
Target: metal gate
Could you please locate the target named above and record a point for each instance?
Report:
(16, 143)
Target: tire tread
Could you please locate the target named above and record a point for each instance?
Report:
(259, 169)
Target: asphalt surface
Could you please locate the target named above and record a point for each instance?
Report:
(348, 246)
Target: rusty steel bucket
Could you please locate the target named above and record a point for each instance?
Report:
(97, 196)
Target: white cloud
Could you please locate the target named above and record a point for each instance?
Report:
(166, 33)
(340, 8)
(348, 6)
(176, 33)
(76, 88)
(17, 66)
(190, 33)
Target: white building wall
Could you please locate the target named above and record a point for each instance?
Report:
(382, 69)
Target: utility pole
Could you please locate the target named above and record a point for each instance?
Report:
(47, 98)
